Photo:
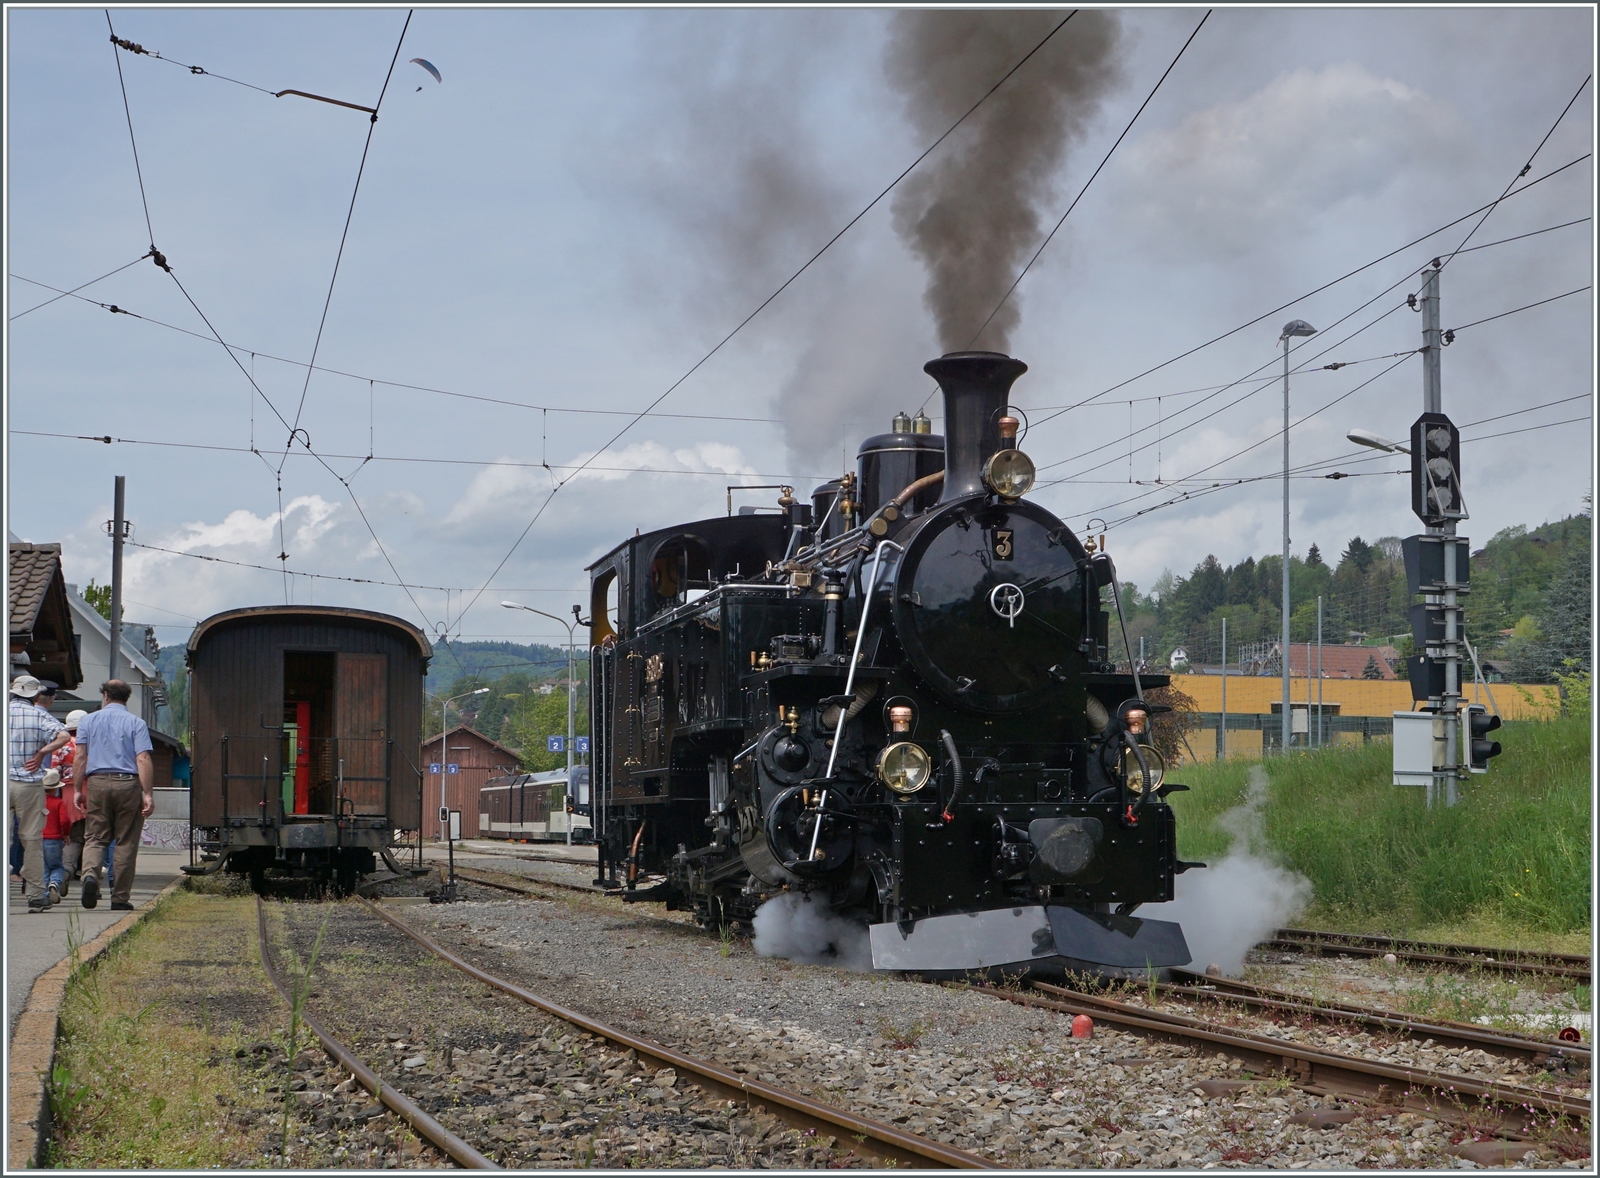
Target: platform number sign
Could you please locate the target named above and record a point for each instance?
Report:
(435, 767)
(555, 744)
(452, 768)
(582, 744)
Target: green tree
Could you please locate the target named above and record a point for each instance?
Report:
(178, 705)
(1566, 643)
(99, 596)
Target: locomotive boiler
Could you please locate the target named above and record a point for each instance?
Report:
(898, 698)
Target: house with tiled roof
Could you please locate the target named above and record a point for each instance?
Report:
(43, 641)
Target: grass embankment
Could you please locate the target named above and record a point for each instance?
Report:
(146, 1076)
(1510, 865)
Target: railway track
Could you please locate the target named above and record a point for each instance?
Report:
(472, 875)
(873, 1138)
(1265, 1000)
(1512, 1108)
(1572, 966)
(868, 1137)
(426, 1126)
(1318, 1071)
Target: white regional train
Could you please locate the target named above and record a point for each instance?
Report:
(537, 807)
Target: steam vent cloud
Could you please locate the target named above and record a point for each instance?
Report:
(972, 212)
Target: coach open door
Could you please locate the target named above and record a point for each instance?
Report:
(361, 724)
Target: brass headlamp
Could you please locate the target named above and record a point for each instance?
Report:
(905, 767)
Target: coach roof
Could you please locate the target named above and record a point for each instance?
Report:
(310, 612)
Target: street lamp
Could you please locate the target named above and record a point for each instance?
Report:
(1291, 329)
(444, 720)
(1365, 437)
(571, 693)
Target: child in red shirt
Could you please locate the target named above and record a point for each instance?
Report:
(56, 824)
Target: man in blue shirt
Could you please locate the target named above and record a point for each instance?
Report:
(32, 735)
(114, 775)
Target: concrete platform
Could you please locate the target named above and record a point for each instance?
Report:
(34, 943)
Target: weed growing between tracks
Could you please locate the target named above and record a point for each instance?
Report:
(145, 1074)
(1512, 860)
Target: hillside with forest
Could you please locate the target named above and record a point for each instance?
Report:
(1528, 608)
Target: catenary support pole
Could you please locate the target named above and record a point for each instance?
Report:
(1445, 781)
(1319, 671)
(1284, 645)
(1222, 728)
(117, 528)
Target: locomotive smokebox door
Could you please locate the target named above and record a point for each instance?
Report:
(987, 601)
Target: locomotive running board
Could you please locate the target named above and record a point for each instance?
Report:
(1033, 938)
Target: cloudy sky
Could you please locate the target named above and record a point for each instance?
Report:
(550, 239)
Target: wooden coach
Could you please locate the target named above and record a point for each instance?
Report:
(306, 738)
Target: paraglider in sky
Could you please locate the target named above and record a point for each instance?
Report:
(429, 66)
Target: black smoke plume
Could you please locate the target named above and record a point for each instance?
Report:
(972, 212)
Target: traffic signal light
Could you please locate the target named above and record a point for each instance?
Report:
(1479, 724)
(1436, 470)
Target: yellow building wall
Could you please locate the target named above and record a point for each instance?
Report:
(1355, 697)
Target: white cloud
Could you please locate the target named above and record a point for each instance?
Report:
(643, 485)
(1274, 163)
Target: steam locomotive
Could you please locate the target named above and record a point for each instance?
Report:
(897, 698)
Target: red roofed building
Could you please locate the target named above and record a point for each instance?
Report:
(1343, 662)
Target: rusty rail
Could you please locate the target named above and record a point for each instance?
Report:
(1533, 1048)
(455, 1148)
(871, 1137)
(1436, 1093)
(1510, 961)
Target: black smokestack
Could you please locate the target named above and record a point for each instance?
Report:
(972, 212)
(976, 388)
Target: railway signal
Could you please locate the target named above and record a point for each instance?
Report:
(1479, 724)
(1436, 471)
(1432, 746)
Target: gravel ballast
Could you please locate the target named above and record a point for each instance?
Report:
(1001, 1080)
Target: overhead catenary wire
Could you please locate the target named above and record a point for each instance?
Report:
(372, 125)
(61, 294)
(294, 432)
(787, 282)
(1245, 396)
(1261, 441)
(1526, 168)
(128, 111)
(1516, 310)
(1529, 409)
(1301, 367)
(198, 71)
(583, 411)
(109, 439)
(1232, 331)
(395, 384)
(1023, 273)
(1229, 484)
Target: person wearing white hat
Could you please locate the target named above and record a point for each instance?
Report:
(32, 735)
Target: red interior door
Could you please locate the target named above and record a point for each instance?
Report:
(302, 757)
